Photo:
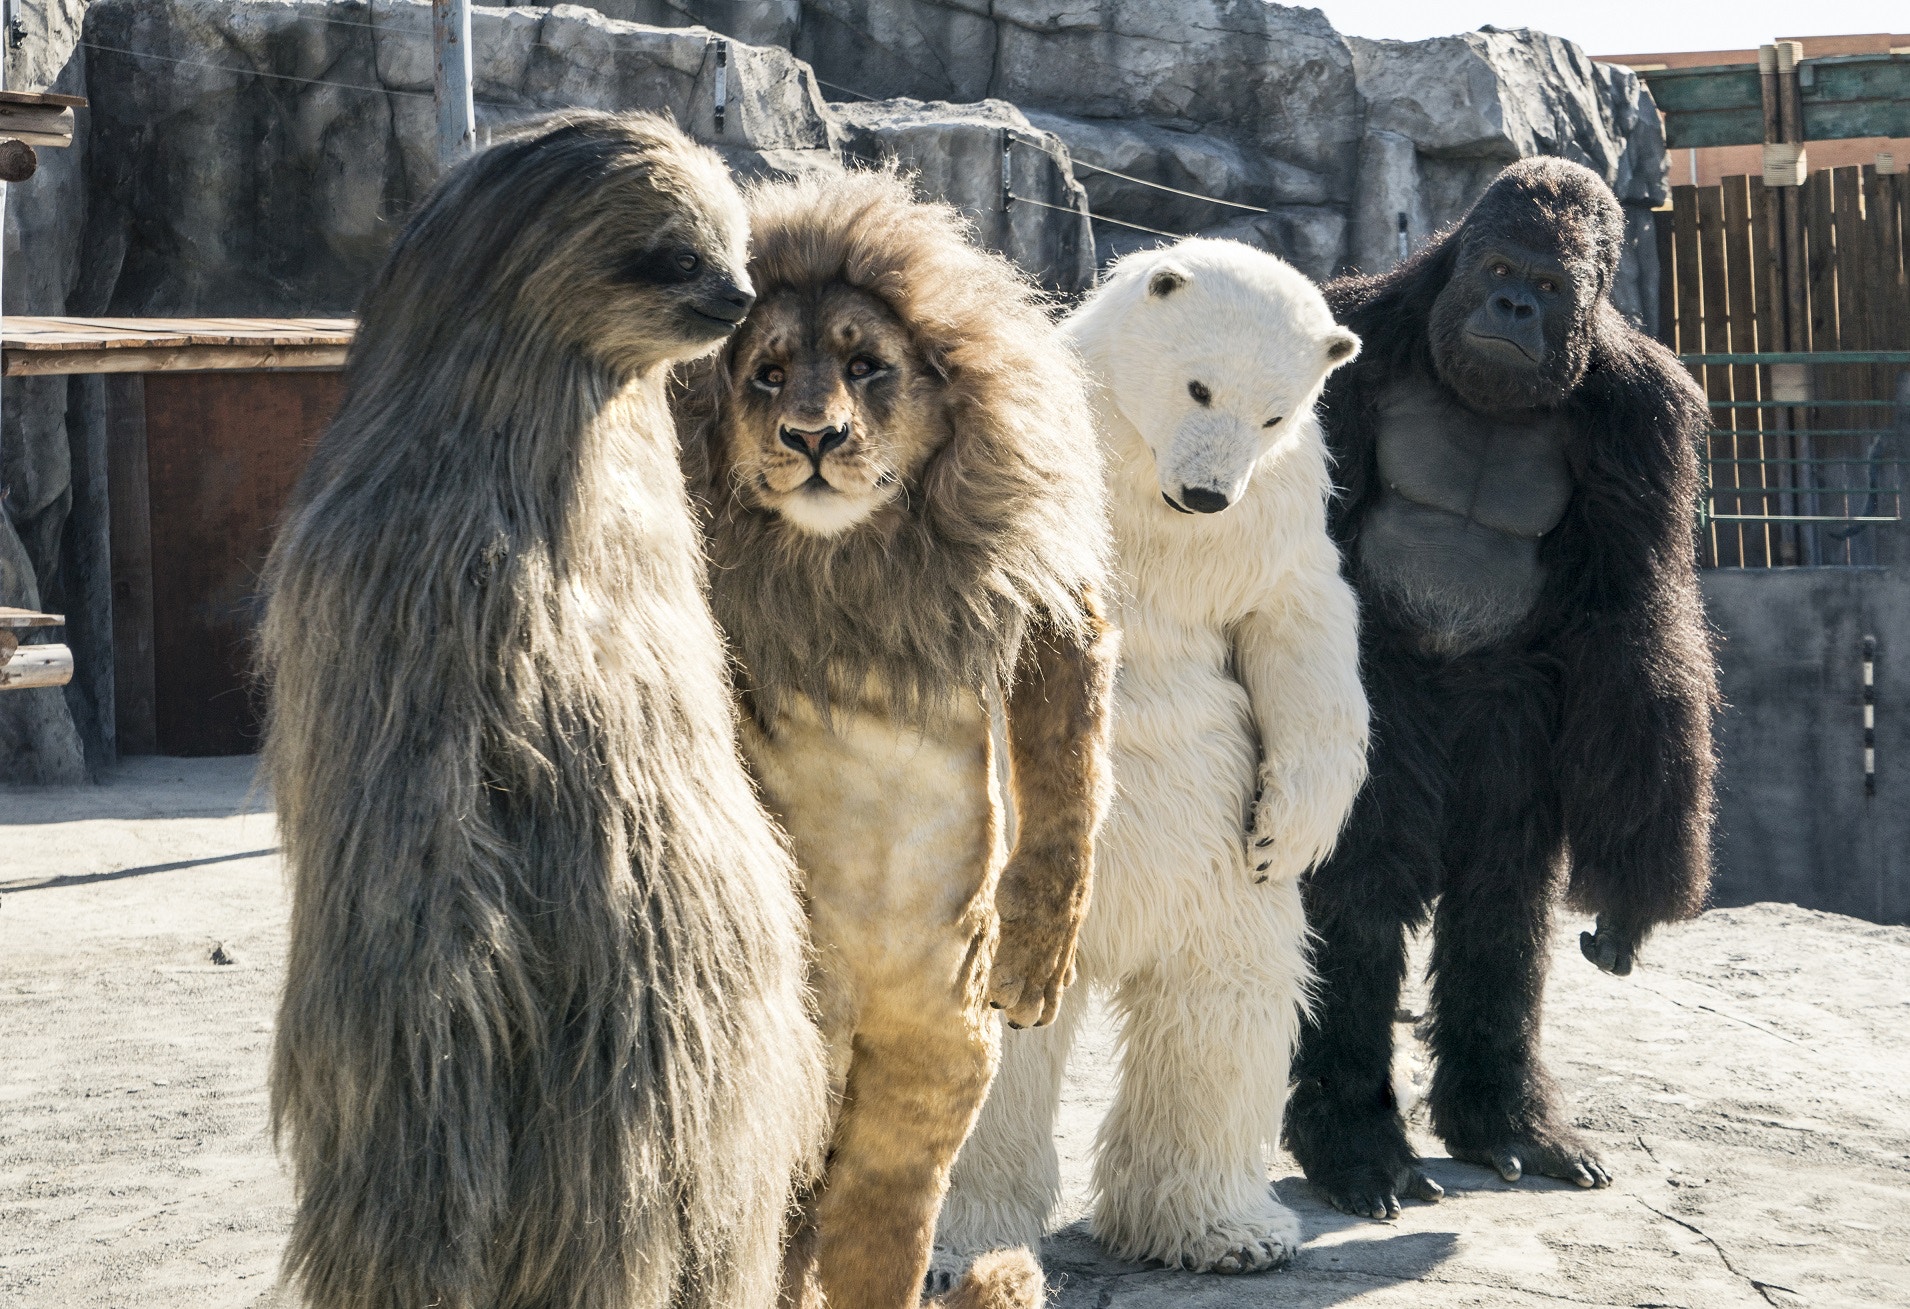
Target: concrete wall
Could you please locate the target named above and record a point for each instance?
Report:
(1794, 823)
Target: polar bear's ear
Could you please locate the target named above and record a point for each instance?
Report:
(1165, 280)
(1341, 346)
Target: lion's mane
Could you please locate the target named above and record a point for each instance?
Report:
(1005, 522)
(543, 1037)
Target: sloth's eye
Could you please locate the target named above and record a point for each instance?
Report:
(862, 366)
(1502, 270)
(1273, 421)
(769, 375)
(688, 261)
(1202, 396)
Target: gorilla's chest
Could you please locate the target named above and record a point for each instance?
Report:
(1453, 538)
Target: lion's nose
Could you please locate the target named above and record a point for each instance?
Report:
(817, 442)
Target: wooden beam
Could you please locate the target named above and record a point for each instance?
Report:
(173, 359)
(37, 665)
(28, 618)
(1842, 97)
(37, 124)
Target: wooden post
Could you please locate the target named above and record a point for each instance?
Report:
(451, 80)
(1796, 386)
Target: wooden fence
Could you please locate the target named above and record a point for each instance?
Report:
(1790, 483)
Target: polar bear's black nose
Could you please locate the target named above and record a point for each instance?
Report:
(1201, 500)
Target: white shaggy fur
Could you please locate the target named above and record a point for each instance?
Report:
(1239, 674)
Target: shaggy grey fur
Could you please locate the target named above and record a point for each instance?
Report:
(543, 1040)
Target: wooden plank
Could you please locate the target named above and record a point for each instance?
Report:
(37, 665)
(1751, 539)
(129, 513)
(42, 361)
(42, 98)
(223, 452)
(1667, 278)
(1684, 241)
(10, 617)
(23, 332)
(1820, 263)
(1716, 312)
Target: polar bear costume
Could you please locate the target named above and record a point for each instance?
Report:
(1239, 744)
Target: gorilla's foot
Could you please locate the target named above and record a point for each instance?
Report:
(1261, 1240)
(1547, 1150)
(1359, 1160)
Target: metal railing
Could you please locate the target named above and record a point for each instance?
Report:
(1800, 474)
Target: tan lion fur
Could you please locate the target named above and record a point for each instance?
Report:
(543, 1039)
(899, 558)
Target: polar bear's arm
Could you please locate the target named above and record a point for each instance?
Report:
(1058, 723)
(1298, 657)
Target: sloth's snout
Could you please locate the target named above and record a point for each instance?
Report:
(815, 442)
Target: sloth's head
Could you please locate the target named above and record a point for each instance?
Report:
(832, 407)
(611, 236)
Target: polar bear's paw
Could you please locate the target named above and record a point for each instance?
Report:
(1256, 1243)
(1260, 1246)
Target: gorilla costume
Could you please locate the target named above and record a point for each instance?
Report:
(1518, 472)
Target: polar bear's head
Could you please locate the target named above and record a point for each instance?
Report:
(1215, 352)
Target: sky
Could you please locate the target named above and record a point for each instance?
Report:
(1615, 27)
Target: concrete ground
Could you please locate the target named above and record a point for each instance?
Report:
(1749, 1087)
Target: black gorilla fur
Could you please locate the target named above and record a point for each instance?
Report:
(1580, 742)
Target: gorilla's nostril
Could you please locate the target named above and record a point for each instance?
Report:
(1202, 501)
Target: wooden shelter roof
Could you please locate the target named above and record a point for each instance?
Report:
(40, 346)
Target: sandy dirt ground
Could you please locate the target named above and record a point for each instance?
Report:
(1749, 1086)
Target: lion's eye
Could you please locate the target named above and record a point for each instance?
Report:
(1202, 396)
(769, 375)
(1502, 270)
(862, 366)
(688, 261)
(1273, 421)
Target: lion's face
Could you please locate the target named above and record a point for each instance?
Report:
(832, 408)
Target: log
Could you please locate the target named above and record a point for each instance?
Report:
(37, 665)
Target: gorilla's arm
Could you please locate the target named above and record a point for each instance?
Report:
(1634, 757)
(1058, 718)
(1300, 666)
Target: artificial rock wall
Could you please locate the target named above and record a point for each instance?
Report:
(253, 157)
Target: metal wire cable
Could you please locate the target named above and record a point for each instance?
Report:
(1091, 216)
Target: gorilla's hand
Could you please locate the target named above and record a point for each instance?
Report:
(1609, 947)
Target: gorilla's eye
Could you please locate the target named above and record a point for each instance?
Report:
(1202, 396)
(1273, 421)
(688, 261)
(862, 367)
(1547, 285)
(769, 377)
(1502, 269)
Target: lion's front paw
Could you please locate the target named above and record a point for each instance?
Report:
(1034, 964)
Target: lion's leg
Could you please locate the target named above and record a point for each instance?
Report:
(918, 1077)
(1007, 1179)
(1180, 1172)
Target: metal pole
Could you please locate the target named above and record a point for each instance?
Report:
(451, 81)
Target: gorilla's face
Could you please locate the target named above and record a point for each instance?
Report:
(1510, 328)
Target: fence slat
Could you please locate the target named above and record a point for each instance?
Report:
(1752, 540)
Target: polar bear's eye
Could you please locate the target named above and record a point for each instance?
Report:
(1273, 421)
(1202, 396)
